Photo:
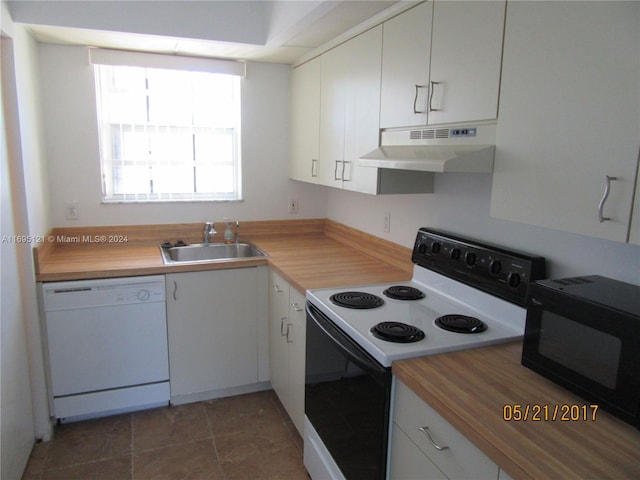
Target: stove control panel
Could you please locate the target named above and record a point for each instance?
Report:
(494, 269)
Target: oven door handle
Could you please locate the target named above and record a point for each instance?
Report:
(352, 350)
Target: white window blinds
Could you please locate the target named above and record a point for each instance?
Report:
(170, 133)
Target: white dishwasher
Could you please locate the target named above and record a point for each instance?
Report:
(106, 342)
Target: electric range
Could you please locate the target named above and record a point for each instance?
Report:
(463, 294)
(504, 321)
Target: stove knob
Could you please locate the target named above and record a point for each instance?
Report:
(513, 280)
(435, 247)
(422, 248)
(455, 254)
(495, 267)
(470, 258)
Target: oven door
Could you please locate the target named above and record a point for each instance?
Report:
(347, 399)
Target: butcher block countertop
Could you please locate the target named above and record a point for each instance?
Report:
(313, 253)
(470, 390)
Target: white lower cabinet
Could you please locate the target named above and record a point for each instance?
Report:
(287, 336)
(218, 332)
(424, 445)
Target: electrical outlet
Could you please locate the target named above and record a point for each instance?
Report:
(71, 211)
(293, 205)
(387, 222)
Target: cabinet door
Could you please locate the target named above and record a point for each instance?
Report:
(297, 339)
(466, 54)
(305, 122)
(212, 330)
(278, 347)
(333, 88)
(569, 116)
(406, 49)
(362, 114)
(350, 109)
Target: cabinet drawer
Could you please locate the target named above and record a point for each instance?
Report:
(408, 462)
(460, 458)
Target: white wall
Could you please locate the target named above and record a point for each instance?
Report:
(460, 205)
(17, 429)
(17, 433)
(24, 408)
(68, 97)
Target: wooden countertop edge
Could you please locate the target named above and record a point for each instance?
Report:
(152, 270)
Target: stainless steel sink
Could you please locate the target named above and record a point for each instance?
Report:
(210, 252)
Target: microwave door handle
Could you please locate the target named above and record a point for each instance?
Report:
(348, 347)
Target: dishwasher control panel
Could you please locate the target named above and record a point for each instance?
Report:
(103, 292)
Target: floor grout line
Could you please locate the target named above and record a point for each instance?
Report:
(137, 426)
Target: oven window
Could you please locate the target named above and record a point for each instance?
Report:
(347, 406)
(585, 350)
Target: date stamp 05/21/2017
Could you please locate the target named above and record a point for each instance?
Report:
(534, 412)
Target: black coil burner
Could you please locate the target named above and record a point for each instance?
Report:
(397, 332)
(461, 324)
(403, 292)
(357, 300)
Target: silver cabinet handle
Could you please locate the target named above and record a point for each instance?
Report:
(314, 163)
(433, 84)
(283, 332)
(425, 430)
(607, 190)
(343, 166)
(335, 170)
(296, 307)
(289, 325)
(277, 289)
(175, 290)
(415, 100)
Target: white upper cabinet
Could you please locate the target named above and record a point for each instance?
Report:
(333, 94)
(441, 63)
(362, 113)
(305, 122)
(466, 55)
(406, 49)
(350, 106)
(569, 117)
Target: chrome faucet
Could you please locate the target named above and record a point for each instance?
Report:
(208, 232)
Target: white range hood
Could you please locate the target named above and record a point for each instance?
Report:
(439, 150)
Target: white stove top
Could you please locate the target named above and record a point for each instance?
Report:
(443, 296)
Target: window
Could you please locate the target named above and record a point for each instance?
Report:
(168, 134)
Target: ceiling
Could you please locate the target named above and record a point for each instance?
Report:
(279, 31)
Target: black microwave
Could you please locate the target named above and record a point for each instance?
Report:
(584, 334)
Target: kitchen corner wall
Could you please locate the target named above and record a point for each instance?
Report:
(68, 98)
(460, 204)
(25, 414)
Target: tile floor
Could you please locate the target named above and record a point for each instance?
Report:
(243, 437)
